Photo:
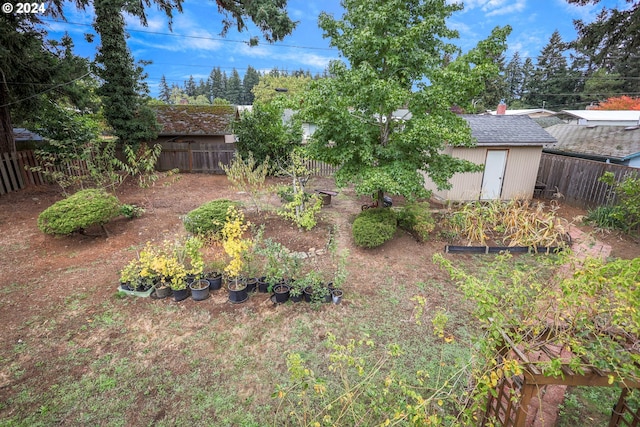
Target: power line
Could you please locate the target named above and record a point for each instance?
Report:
(46, 90)
(193, 37)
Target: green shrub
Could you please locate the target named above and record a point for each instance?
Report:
(605, 217)
(416, 219)
(79, 211)
(373, 227)
(208, 219)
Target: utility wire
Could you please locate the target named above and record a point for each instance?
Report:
(46, 90)
(192, 37)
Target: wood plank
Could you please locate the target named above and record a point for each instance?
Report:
(18, 169)
(10, 172)
(4, 182)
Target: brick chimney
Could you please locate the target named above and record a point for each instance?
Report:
(502, 108)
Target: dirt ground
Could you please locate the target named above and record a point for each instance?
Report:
(60, 266)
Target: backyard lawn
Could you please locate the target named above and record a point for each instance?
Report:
(75, 352)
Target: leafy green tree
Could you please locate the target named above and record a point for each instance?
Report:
(263, 132)
(400, 56)
(251, 78)
(288, 88)
(36, 72)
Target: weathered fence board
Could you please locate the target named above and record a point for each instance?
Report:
(575, 180)
(192, 156)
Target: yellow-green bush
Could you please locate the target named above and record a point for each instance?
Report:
(208, 219)
(79, 211)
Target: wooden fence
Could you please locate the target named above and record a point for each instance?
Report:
(575, 180)
(319, 168)
(192, 156)
(15, 172)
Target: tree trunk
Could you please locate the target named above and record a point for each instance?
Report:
(380, 198)
(7, 142)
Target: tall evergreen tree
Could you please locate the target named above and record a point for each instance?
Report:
(234, 88)
(165, 92)
(553, 84)
(251, 78)
(190, 87)
(218, 84)
(514, 78)
(527, 87)
(124, 108)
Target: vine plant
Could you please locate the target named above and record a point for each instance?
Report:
(591, 312)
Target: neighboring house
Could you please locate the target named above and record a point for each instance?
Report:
(602, 117)
(25, 135)
(534, 113)
(195, 138)
(610, 144)
(509, 147)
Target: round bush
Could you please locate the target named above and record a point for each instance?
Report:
(373, 227)
(208, 219)
(416, 218)
(79, 211)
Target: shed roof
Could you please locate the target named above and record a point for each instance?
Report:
(611, 142)
(490, 130)
(195, 119)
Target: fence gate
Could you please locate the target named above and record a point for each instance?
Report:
(192, 156)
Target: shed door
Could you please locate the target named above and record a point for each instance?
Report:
(493, 174)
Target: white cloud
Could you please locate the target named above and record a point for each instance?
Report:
(290, 56)
(494, 7)
(497, 7)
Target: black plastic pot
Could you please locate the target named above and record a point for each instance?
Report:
(215, 281)
(281, 292)
(180, 294)
(251, 284)
(199, 289)
(262, 285)
(237, 293)
(162, 291)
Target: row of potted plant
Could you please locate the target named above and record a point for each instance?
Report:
(178, 267)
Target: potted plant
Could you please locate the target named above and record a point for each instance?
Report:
(339, 277)
(235, 246)
(296, 290)
(314, 288)
(214, 273)
(192, 257)
(130, 275)
(273, 254)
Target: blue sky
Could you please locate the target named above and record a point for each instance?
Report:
(195, 46)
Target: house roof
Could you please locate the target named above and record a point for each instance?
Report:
(23, 134)
(526, 112)
(608, 142)
(507, 130)
(195, 119)
(604, 115)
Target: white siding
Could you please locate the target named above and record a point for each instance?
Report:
(519, 178)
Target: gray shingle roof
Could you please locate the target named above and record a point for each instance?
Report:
(507, 130)
(614, 142)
